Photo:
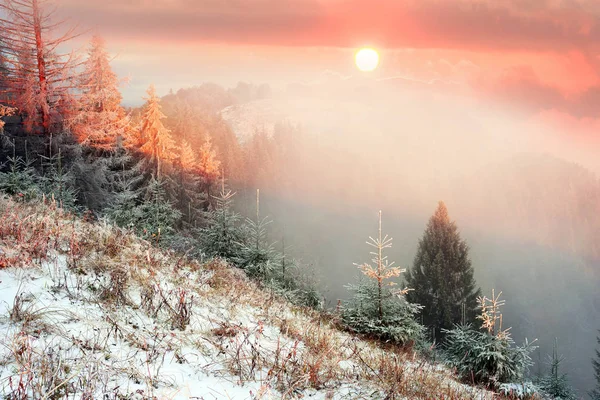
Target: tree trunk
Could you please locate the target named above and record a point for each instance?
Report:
(41, 63)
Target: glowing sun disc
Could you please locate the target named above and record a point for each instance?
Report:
(367, 59)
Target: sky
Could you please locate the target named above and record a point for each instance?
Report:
(540, 58)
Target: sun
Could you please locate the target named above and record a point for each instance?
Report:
(367, 59)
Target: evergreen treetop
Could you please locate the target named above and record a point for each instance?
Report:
(442, 277)
(100, 119)
(155, 140)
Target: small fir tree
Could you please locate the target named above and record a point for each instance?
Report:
(595, 394)
(554, 384)
(124, 179)
(258, 257)
(442, 276)
(20, 180)
(222, 236)
(488, 355)
(156, 216)
(377, 309)
(58, 182)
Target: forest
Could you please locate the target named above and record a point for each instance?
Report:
(291, 204)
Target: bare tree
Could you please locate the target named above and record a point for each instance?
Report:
(38, 77)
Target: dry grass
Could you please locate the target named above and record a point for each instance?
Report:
(305, 351)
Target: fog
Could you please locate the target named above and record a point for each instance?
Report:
(525, 198)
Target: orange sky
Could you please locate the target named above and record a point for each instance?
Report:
(541, 57)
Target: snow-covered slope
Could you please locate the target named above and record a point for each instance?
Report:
(88, 311)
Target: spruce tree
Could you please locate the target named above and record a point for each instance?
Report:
(100, 119)
(124, 178)
(442, 276)
(222, 236)
(190, 197)
(208, 167)
(595, 394)
(156, 216)
(20, 180)
(375, 308)
(488, 355)
(58, 182)
(155, 140)
(555, 384)
(258, 257)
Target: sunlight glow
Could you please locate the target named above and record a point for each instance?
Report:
(367, 59)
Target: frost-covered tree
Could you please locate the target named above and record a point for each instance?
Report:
(222, 235)
(58, 182)
(20, 180)
(488, 355)
(376, 308)
(39, 78)
(154, 217)
(595, 394)
(442, 276)
(555, 384)
(100, 119)
(155, 140)
(124, 180)
(258, 256)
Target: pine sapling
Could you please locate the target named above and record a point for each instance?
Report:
(383, 269)
(375, 308)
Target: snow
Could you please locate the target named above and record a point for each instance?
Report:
(240, 343)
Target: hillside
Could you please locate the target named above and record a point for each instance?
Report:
(88, 311)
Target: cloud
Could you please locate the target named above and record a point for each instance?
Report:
(476, 24)
(521, 87)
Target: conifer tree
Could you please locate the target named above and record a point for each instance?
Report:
(124, 177)
(595, 394)
(258, 257)
(100, 119)
(554, 384)
(442, 276)
(222, 236)
(20, 180)
(58, 182)
(377, 309)
(156, 215)
(208, 166)
(155, 140)
(488, 355)
(190, 197)
(38, 77)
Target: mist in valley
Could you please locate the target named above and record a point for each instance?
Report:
(528, 211)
